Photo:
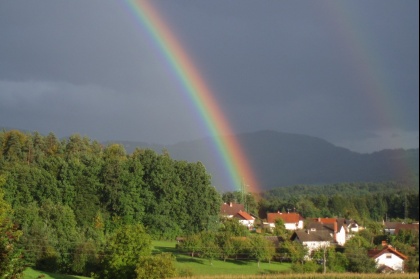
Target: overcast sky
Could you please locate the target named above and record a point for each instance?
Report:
(344, 71)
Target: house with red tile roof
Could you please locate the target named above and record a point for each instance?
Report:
(292, 221)
(229, 210)
(245, 219)
(237, 211)
(388, 258)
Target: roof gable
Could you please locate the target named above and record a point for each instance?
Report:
(387, 249)
(244, 216)
(231, 208)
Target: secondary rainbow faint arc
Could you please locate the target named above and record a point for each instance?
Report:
(199, 92)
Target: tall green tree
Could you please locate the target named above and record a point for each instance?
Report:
(123, 250)
(202, 199)
(261, 248)
(209, 249)
(11, 262)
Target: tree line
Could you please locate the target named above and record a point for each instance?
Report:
(363, 201)
(69, 195)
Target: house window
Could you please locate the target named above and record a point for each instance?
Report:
(388, 256)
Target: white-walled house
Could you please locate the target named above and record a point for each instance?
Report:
(245, 219)
(336, 229)
(229, 210)
(313, 239)
(388, 258)
(236, 210)
(292, 221)
(345, 228)
(318, 235)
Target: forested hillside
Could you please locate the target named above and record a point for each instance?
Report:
(68, 195)
(361, 201)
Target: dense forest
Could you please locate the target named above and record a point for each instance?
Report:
(67, 194)
(360, 201)
(71, 201)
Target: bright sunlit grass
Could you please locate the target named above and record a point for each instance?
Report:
(30, 273)
(199, 266)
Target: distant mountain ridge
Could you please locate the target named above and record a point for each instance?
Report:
(283, 159)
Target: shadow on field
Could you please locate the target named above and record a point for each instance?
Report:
(270, 272)
(55, 276)
(163, 249)
(237, 262)
(49, 275)
(189, 260)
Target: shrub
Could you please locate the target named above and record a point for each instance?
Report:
(156, 267)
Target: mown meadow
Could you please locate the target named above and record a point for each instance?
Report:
(198, 268)
(195, 266)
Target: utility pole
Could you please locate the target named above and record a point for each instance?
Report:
(244, 195)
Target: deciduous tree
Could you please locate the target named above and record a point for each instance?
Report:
(123, 251)
(11, 262)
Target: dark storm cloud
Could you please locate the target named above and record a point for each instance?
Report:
(346, 71)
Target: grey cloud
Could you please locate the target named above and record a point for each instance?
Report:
(346, 71)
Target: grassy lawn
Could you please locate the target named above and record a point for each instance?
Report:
(198, 266)
(186, 264)
(30, 273)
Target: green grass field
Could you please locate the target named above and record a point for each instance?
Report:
(197, 266)
(189, 266)
(30, 273)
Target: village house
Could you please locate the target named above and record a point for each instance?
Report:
(237, 211)
(389, 227)
(345, 228)
(388, 259)
(313, 239)
(292, 221)
(336, 229)
(245, 219)
(229, 210)
(318, 235)
(414, 228)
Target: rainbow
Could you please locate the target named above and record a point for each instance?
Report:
(363, 59)
(351, 35)
(197, 90)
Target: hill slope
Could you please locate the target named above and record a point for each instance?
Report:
(281, 159)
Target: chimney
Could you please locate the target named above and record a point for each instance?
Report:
(384, 243)
(319, 219)
(335, 231)
(230, 204)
